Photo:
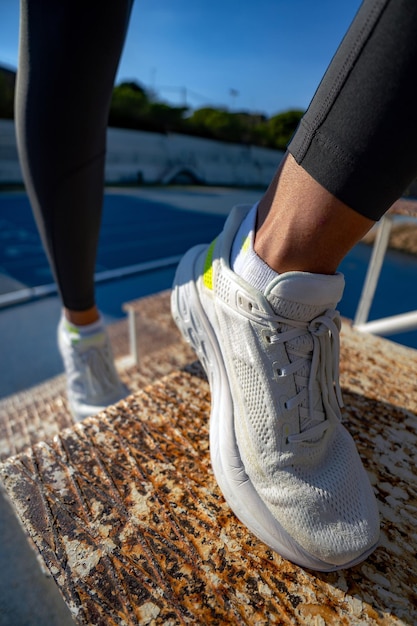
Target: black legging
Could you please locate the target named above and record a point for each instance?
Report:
(68, 57)
(358, 138)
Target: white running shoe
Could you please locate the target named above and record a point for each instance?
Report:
(284, 462)
(92, 380)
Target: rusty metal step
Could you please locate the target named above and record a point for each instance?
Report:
(125, 511)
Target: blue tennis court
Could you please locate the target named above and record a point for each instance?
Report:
(134, 230)
(138, 227)
(152, 224)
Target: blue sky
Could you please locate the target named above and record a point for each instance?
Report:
(272, 52)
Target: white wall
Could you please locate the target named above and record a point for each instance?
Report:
(155, 158)
(158, 158)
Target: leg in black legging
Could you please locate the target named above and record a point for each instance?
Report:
(358, 138)
(68, 57)
(355, 150)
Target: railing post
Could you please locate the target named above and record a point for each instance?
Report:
(133, 340)
(374, 270)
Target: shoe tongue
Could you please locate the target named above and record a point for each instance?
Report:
(302, 296)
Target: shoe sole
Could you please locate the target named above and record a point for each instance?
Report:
(229, 471)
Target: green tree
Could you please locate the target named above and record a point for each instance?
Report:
(166, 117)
(129, 106)
(132, 106)
(216, 123)
(281, 127)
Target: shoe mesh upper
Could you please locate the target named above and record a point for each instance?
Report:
(328, 508)
(254, 400)
(92, 379)
(315, 486)
(278, 445)
(222, 287)
(317, 490)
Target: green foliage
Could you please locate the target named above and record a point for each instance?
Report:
(281, 128)
(129, 107)
(132, 106)
(217, 124)
(167, 117)
(248, 128)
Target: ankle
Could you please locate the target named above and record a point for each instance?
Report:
(303, 227)
(82, 318)
(292, 251)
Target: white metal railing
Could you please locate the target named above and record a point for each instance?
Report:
(387, 325)
(30, 293)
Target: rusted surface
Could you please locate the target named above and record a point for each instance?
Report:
(40, 413)
(153, 329)
(403, 233)
(402, 237)
(154, 324)
(404, 206)
(32, 416)
(127, 515)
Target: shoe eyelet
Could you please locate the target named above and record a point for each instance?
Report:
(267, 335)
(279, 372)
(243, 302)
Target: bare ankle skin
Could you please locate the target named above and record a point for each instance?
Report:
(303, 227)
(82, 318)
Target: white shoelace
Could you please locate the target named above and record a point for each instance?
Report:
(323, 379)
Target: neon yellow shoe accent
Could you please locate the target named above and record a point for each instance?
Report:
(208, 267)
(246, 243)
(88, 340)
